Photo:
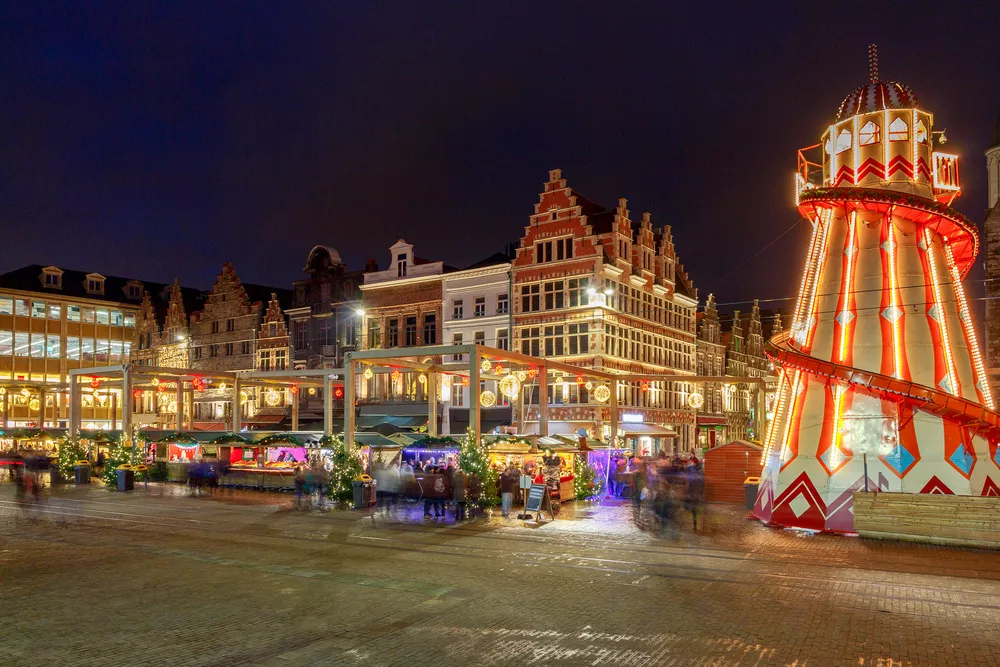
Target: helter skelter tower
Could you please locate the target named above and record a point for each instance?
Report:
(880, 370)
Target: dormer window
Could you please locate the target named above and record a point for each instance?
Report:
(869, 134)
(94, 283)
(134, 290)
(52, 277)
(401, 266)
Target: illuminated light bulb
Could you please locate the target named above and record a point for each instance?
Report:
(422, 378)
(589, 385)
(602, 393)
(312, 391)
(156, 381)
(368, 373)
(510, 386)
(485, 366)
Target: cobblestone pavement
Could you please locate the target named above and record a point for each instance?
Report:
(159, 578)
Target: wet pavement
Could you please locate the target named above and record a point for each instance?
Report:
(157, 577)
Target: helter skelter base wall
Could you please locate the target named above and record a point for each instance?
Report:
(809, 481)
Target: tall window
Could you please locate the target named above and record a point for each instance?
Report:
(72, 347)
(374, 337)
(401, 266)
(530, 298)
(579, 340)
(503, 304)
(554, 296)
(265, 360)
(392, 334)
(456, 340)
(37, 345)
(6, 343)
(410, 331)
(457, 392)
(457, 311)
(480, 307)
(280, 359)
(430, 329)
(530, 341)
(53, 346)
(302, 335)
(503, 339)
(843, 141)
(576, 287)
(479, 338)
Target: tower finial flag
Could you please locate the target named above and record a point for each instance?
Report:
(873, 62)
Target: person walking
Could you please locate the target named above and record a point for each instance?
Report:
(695, 494)
(300, 486)
(509, 482)
(459, 488)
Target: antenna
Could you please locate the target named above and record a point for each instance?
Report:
(873, 62)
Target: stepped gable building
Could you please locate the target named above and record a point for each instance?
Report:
(711, 351)
(593, 287)
(744, 358)
(235, 326)
(991, 233)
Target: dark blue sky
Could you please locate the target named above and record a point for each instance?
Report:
(161, 139)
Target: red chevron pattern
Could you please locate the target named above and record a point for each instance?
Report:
(871, 167)
(899, 163)
(934, 485)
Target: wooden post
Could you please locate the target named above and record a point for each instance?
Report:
(41, 408)
(474, 395)
(179, 399)
(432, 403)
(543, 401)
(74, 406)
(114, 411)
(6, 408)
(295, 410)
(614, 414)
(237, 415)
(327, 405)
(190, 408)
(126, 401)
(349, 402)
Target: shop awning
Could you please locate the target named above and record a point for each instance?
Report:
(399, 421)
(708, 420)
(211, 426)
(647, 430)
(264, 420)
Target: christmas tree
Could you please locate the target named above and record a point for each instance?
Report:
(473, 457)
(347, 467)
(586, 482)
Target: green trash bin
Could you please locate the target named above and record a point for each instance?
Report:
(126, 478)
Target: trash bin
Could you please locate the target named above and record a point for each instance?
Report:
(364, 495)
(750, 485)
(126, 478)
(81, 472)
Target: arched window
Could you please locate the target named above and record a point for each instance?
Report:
(869, 134)
(843, 141)
(899, 130)
(920, 132)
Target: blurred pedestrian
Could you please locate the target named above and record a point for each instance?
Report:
(694, 497)
(459, 489)
(299, 480)
(475, 494)
(510, 480)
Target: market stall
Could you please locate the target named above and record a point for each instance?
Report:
(506, 450)
(558, 454)
(428, 451)
(181, 450)
(609, 463)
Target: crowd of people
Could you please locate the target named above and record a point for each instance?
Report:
(311, 482)
(440, 487)
(663, 491)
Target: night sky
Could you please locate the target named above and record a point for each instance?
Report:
(158, 140)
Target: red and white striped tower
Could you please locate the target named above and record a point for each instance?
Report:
(881, 369)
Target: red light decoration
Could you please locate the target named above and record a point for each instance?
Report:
(198, 384)
(137, 394)
(579, 379)
(338, 392)
(295, 389)
(645, 386)
(498, 369)
(465, 381)
(161, 387)
(96, 383)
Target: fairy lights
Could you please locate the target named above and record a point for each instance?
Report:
(772, 427)
(897, 313)
(942, 323)
(982, 385)
(914, 143)
(885, 144)
(857, 150)
(817, 273)
(794, 398)
(832, 152)
(848, 284)
(798, 326)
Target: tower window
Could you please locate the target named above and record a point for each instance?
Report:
(899, 130)
(869, 134)
(920, 132)
(843, 141)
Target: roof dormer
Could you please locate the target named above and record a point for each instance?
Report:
(133, 290)
(51, 277)
(94, 284)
